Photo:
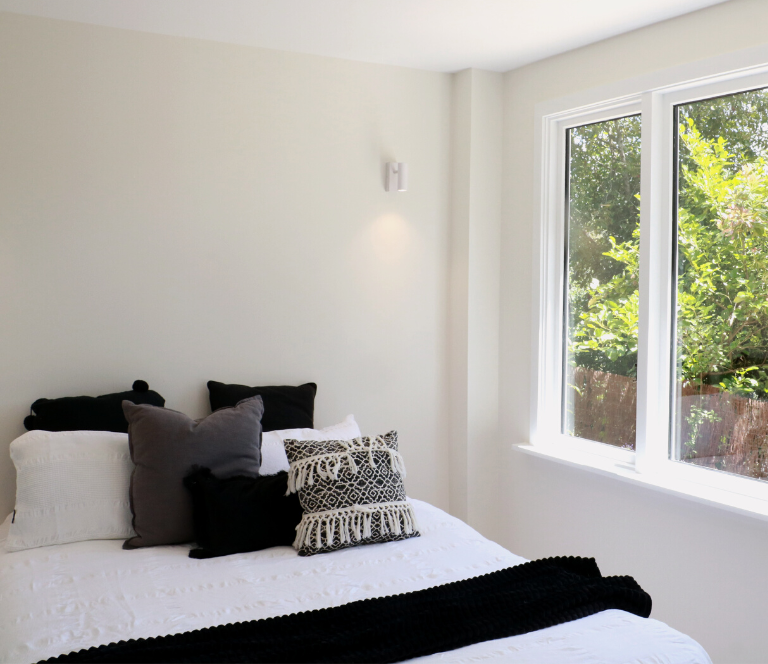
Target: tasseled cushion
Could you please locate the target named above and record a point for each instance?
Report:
(351, 492)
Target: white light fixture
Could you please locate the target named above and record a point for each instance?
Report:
(397, 176)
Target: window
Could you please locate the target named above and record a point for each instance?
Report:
(721, 328)
(601, 297)
(652, 345)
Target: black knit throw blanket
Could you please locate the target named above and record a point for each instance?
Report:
(511, 601)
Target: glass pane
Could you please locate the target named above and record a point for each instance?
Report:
(603, 230)
(721, 400)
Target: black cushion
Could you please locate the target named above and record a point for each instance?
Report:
(285, 406)
(103, 413)
(240, 514)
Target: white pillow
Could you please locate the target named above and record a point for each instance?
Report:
(273, 457)
(70, 486)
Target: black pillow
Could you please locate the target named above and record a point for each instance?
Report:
(240, 514)
(103, 413)
(285, 407)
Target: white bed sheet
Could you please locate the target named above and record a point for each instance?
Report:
(61, 598)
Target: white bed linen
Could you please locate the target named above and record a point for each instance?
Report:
(65, 597)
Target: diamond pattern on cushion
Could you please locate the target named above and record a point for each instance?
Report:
(351, 492)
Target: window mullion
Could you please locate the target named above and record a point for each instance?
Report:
(655, 315)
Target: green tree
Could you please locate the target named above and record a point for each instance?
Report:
(738, 119)
(604, 182)
(604, 168)
(722, 265)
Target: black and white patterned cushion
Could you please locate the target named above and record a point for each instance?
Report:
(351, 492)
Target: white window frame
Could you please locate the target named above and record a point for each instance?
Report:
(654, 98)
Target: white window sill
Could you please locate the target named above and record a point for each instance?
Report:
(700, 493)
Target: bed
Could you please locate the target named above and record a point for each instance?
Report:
(63, 598)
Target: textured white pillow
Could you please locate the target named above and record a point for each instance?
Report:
(70, 486)
(273, 457)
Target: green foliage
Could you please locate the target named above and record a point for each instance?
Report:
(609, 324)
(604, 167)
(722, 221)
(723, 266)
(739, 119)
(698, 416)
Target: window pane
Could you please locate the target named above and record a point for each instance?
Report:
(721, 400)
(603, 231)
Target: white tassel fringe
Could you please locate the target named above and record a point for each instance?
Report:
(326, 466)
(351, 524)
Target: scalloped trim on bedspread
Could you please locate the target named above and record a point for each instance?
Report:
(508, 602)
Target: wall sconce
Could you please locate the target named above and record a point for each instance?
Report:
(397, 176)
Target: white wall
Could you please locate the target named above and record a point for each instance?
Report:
(705, 569)
(473, 333)
(180, 210)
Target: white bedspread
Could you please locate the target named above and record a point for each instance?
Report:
(61, 598)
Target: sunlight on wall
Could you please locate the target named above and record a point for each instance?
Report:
(391, 238)
(387, 255)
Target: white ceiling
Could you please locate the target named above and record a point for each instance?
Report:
(441, 35)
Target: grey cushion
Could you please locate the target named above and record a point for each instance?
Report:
(166, 444)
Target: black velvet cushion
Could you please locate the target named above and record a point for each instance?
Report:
(104, 413)
(240, 514)
(285, 406)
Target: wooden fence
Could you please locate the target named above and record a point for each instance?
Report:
(715, 428)
(603, 407)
